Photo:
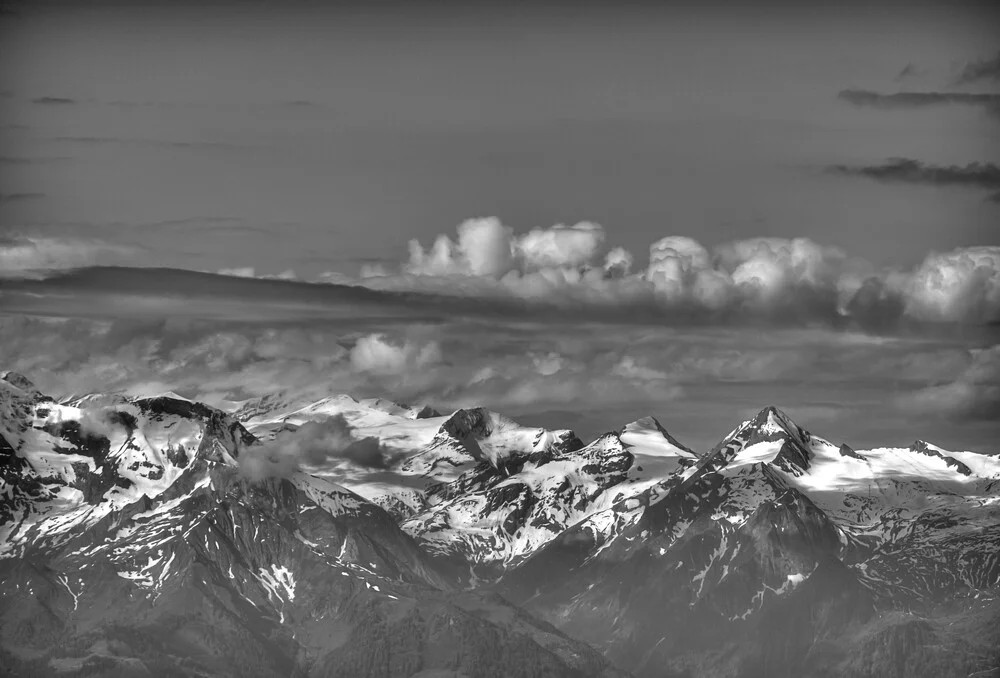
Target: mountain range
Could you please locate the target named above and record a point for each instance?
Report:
(157, 536)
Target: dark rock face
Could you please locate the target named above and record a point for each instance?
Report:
(921, 447)
(847, 451)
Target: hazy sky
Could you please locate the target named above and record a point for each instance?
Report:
(300, 140)
(307, 138)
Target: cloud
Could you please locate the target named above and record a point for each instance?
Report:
(904, 170)
(561, 246)
(486, 247)
(981, 69)
(602, 376)
(483, 248)
(909, 71)
(27, 256)
(314, 443)
(681, 268)
(769, 278)
(96, 422)
(618, 263)
(956, 286)
(488, 275)
(377, 354)
(974, 394)
(244, 272)
(153, 293)
(53, 101)
(19, 197)
(863, 97)
(152, 143)
(629, 368)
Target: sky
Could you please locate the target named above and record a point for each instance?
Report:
(498, 182)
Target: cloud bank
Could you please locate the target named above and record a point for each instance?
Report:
(584, 376)
(564, 274)
(761, 279)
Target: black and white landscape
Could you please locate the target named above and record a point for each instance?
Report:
(469, 340)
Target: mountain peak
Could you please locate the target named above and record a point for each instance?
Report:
(473, 422)
(19, 381)
(773, 417)
(769, 426)
(650, 429)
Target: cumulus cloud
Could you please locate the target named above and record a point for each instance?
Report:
(618, 263)
(560, 246)
(681, 268)
(314, 443)
(955, 286)
(486, 247)
(974, 394)
(790, 280)
(377, 354)
(904, 170)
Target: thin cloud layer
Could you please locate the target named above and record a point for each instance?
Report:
(54, 101)
(864, 97)
(905, 170)
(974, 394)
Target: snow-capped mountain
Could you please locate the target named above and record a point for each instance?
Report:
(132, 541)
(773, 518)
(134, 545)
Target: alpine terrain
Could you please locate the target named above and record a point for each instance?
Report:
(156, 536)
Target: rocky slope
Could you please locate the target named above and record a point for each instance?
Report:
(134, 545)
(771, 550)
(132, 541)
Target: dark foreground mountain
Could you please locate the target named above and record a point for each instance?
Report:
(132, 542)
